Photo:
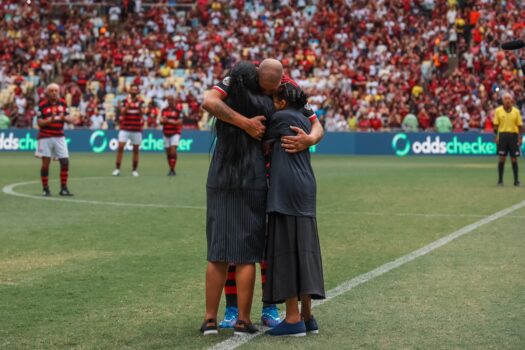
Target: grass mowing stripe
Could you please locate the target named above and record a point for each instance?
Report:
(343, 288)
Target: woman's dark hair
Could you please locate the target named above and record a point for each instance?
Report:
(292, 94)
(244, 97)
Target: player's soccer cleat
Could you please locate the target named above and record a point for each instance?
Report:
(517, 183)
(172, 173)
(116, 172)
(209, 327)
(46, 192)
(230, 317)
(270, 316)
(500, 183)
(288, 329)
(64, 191)
(135, 173)
(311, 326)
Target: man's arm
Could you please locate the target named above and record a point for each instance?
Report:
(170, 121)
(213, 103)
(71, 120)
(302, 141)
(44, 122)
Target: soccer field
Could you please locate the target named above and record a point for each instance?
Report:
(121, 264)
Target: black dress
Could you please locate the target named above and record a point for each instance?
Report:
(293, 251)
(236, 215)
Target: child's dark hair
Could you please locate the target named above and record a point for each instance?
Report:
(293, 95)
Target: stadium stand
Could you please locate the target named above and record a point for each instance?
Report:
(366, 65)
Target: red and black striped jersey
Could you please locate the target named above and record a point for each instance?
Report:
(224, 88)
(132, 119)
(48, 109)
(172, 114)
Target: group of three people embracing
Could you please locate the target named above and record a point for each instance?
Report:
(261, 198)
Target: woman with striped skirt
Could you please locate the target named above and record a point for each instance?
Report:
(236, 201)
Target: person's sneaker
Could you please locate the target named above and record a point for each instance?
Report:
(135, 173)
(64, 191)
(517, 183)
(171, 173)
(270, 316)
(500, 183)
(209, 327)
(311, 326)
(46, 192)
(230, 317)
(243, 328)
(116, 172)
(288, 329)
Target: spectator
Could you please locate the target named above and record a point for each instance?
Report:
(410, 123)
(5, 122)
(96, 120)
(443, 124)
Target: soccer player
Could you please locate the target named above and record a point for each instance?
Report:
(131, 124)
(171, 120)
(51, 141)
(508, 128)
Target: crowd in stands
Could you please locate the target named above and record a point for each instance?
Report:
(367, 65)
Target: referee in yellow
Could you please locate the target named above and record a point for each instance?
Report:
(508, 127)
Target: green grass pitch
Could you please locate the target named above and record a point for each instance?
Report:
(130, 275)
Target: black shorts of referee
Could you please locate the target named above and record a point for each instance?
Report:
(508, 144)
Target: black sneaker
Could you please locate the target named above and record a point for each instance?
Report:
(517, 183)
(209, 327)
(65, 192)
(311, 326)
(46, 192)
(500, 183)
(171, 173)
(243, 328)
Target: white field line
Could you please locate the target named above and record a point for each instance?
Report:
(345, 287)
(10, 190)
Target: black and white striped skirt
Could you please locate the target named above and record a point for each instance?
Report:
(236, 225)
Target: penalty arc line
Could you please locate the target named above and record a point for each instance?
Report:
(345, 287)
(9, 190)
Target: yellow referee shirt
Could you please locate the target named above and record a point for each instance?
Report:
(507, 122)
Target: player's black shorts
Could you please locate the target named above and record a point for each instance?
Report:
(508, 144)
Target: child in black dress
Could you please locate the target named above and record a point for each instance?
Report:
(292, 249)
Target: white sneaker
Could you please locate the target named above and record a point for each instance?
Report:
(116, 172)
(135, 173)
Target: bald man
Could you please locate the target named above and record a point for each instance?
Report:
(51, 140)
(271, 76)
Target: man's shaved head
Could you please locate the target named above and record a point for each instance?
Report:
(270, 75)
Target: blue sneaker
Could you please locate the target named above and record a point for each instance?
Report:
(311, 326)
(270, 316)
(230, 317)
(291, 329)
